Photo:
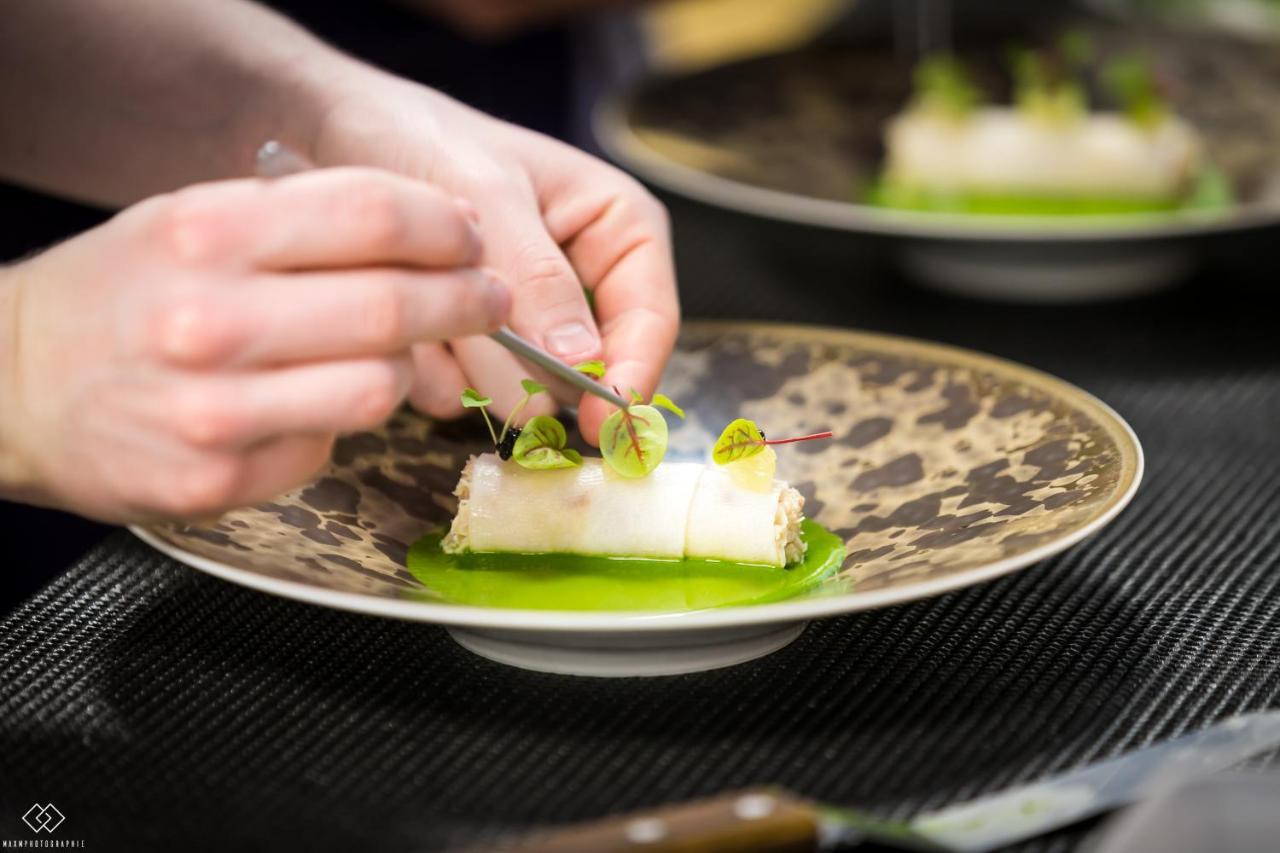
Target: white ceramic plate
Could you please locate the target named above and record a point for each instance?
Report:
(948, 469)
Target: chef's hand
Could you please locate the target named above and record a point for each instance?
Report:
(556, 224)
(201, 350)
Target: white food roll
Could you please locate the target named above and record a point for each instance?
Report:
(682, 509)
(1000, 149)
(758, 526)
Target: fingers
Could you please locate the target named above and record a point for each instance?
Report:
(328, 218)
(618, 238)
(438, 382)
(636, 349)
(548, 303)
(277, 318)
(221, 411)
(497, 373)
(208, 483)
(279, 464)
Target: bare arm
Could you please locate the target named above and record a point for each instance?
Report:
(114, 100)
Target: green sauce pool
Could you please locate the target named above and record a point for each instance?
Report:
(576, 582)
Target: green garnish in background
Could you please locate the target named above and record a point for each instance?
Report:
(943, 85)
(1130, 80)
(1211, 192)
(1043, 89)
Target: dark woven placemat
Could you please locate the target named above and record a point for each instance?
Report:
(159, 708)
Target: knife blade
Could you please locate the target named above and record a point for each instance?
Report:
(770, 820)
(276, 160)
(1003, 818)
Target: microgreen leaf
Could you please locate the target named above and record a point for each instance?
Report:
(531, 388)
(741, 438)
(471, 399)
(541, 446)
(1130, 81)
(634, 440)
(662, 401)
(594, 368)
(1076, 49)
(943, 85)
(1046, 90)
(636, 396)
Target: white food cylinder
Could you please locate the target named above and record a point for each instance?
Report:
(725, 516)
(682, 509)
(1001, 149)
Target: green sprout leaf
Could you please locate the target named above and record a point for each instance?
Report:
(943, 85)
(471, 399)
(740, 439)
(662, 401)
(531, 389)
(1130, 81)
(634, 440)
(541, 446)
(1076, 49)
(1043, 91)
(636, 396)
(593, 368)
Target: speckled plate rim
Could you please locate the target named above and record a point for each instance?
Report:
(791, 610)
(615, 136)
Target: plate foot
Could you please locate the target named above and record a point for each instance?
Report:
(1046, 273)
(626, 656)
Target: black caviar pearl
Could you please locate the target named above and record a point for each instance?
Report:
(508, 444)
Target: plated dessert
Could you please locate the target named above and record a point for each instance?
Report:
(946, 468)
(626, 530)
(1054, 150)
(836, 138)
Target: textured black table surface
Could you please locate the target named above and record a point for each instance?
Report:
(162, 709)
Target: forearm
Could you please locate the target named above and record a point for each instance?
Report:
(114, 100)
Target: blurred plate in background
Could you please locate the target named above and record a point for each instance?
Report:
(796, 137)
(1254, 19)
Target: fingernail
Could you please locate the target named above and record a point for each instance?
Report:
(571, 339)
(498, 295)
(468, 210)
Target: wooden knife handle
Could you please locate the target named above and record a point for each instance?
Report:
(761, 820)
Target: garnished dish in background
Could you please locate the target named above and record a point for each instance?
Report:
(540, 526)
(799, 137)
(1053, 152)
